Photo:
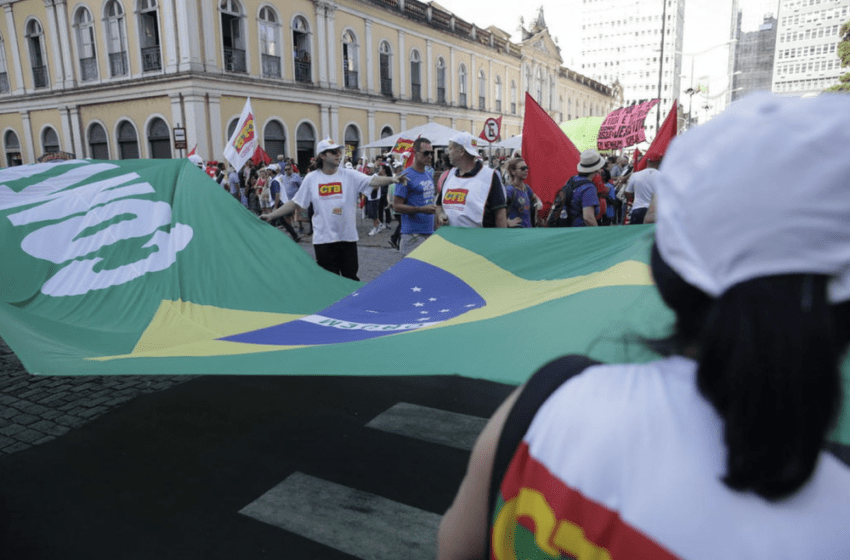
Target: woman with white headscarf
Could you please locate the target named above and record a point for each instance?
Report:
(719, 449)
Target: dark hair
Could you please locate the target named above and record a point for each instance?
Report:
(769, 353)
(388, 171)
(418, 143)
(606, 175)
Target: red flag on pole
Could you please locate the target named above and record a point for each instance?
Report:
(259, 156)
(636, 158)
(665, 134)
(193, 151)
(551, 156)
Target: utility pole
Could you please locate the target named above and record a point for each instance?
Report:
(661, 65)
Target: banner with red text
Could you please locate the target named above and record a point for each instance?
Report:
(624, 127)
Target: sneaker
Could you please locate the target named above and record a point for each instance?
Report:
(373, 231)
(382, 226)
(394, 243)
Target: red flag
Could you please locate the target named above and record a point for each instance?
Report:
(193, 151)
(259, 156)
(551, 156)
(492, 131)
(636, 158)
(666, 133)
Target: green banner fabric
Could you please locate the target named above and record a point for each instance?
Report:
(583, 132)
(149, 267)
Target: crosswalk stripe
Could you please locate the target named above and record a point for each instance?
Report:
(430, 424)
(351, 521)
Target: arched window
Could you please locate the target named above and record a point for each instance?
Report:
(498, 94)
(35, 41)
(461, 85)
(513, 97)
(387, 131)
(49, 141)
(231, 128)
(441, 80)
(349, 60)
(116, 39)
(98, 143)
(4, 76)
(269, 49)
(551, 91)
(569, 109)
(274, 140)
(301, 52)
(352, 141)
(529, 77)
(149, 30)
(305, 141)
(386, 69)
(13, 149)
(415, 75)
(482, 90)
(159, 138)
(232, 36)
(86, 44)
(128, 142)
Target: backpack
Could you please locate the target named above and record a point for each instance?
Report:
(559, 215)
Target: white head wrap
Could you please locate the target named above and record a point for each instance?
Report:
(761, 190)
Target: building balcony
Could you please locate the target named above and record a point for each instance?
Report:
(513, 108)
(39, 76)
(351, 80)
(386, 87)
(441, 95)
(416, 92)
(271, 66)
(482, 104)
(498, 105)
(88, 69)
(234, 60)
(4, 82)
(151, 60)
(118, 64)
(303, 72)
(461, 99)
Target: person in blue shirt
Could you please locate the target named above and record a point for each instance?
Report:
(415, 200)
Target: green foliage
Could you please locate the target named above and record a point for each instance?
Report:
(843, 84)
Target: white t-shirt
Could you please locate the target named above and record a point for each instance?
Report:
(334, 200)
(643, 184)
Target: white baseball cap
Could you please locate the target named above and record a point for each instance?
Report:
(466, 141)
(274, 167)
(717, 227)
(196, 159)
(325, 145)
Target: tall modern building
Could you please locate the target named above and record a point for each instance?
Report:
(754, 58)
(806, 59)
(621, 44)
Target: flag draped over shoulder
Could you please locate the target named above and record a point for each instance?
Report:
(123, 268)
(665, 134)
(242, 145)
(551, 156)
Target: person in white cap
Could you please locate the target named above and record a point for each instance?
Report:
(333, 191)
(718, 450)
(472, 194)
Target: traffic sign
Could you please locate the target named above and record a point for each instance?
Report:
(492, 130)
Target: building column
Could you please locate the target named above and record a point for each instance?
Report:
(61, 9)
(195, 121)
(216, 131)
(76, 130)
(210, 18)
(473, 83)
(12, 40)
(324, 112)
(27, 146)
(403, 121)
(402, 62)
(451, 98)
(67, 139)
(335, 135)
(321, 40)
(189, 40)
(169, 26)
(54, 65)
(369, 55)
(429, 71)
(370, 126)
(330, 19)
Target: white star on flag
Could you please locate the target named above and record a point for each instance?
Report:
(418, 304)
(432, 299)
(444, 310)
(416, 289)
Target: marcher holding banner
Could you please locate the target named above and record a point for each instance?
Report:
(333, 191)
(666, 460)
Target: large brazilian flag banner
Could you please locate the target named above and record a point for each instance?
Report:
(149, 267)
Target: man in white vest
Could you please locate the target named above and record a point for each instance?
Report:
(472, 194)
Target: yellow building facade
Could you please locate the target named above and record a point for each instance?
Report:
(112, 79)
